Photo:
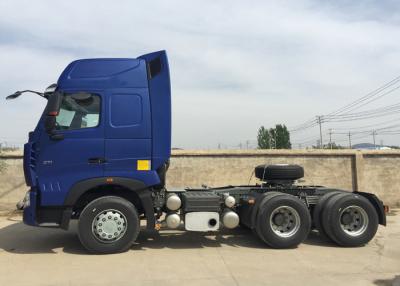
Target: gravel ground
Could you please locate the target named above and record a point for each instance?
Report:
(40, 256)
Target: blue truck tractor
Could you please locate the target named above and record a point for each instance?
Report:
(100, 154)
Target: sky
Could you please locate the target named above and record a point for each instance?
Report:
(235, 65)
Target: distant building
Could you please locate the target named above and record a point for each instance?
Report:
(369, 146)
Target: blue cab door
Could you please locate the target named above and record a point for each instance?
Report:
(128, 134)
(79, 155)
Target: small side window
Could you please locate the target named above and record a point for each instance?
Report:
(77, 111)
(154, 67)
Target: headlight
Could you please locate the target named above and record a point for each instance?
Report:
(25, 202)
(27, 199)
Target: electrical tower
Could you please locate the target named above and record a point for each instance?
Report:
(373, 136)
(319, 119)
(330, 138)
(349, 139)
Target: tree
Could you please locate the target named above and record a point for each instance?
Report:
(274, 138)
(394, 147)
(282, 137)
(263, 138)
(333, 145)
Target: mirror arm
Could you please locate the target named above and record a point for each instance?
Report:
(18, 93)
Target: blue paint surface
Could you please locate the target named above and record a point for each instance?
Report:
(134, 124)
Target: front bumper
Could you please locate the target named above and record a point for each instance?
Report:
(28, 205)
(35, 215)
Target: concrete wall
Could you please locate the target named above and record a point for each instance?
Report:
(12, 183)
(370, 171)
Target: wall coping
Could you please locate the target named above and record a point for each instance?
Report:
(311, 152)
(243, 153)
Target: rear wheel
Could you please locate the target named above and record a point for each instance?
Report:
(283, 222)
(108, 225)
(317, 213)
(350, 220)
(266, 196)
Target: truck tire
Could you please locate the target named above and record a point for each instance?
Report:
(259, 205)
(283, 222)
(248, 213)
(108, 225)
(350, 220)
(279, 172)
(317, 212)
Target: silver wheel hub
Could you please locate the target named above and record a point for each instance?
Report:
(353, 220)
(109, 225)
(284, 221)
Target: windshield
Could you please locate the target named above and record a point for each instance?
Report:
(77, 112)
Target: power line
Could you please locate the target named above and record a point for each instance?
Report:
(371, 113)
(306, 125)
(342, 114)
(387, 128)
(373, 99)
(366, 97)
(367, 126)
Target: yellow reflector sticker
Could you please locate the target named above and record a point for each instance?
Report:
(143, 165)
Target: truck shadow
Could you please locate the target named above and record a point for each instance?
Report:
(21, 239)
(239, 237)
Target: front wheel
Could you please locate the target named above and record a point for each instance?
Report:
(108, 225)
(283, 222)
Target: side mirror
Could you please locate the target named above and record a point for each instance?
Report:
(50, 124)
(50, 90)
(50, 127)
(52, 110)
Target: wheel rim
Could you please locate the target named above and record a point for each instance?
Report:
(284, 221)
(109, 226)
(353, 220)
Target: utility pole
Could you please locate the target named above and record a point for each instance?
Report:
(373, 136)
(349, 140)
(319, 119)
(330, 138)
(247, 144)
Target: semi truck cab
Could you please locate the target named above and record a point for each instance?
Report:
(100, 153)
(107, 122)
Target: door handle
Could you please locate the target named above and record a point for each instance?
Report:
(96, 160)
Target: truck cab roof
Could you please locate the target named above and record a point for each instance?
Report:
(103, 73)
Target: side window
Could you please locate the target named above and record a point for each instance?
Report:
(126, 110)
(78, 111)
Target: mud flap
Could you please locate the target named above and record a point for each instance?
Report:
(378, 205)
